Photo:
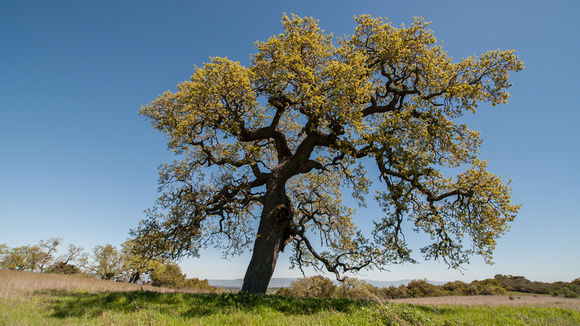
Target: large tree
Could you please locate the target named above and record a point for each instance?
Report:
(277, 141)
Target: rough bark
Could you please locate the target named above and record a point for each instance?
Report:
(135, 277)
(273, 234)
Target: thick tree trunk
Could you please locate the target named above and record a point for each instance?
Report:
(135, 277)
(271, 239)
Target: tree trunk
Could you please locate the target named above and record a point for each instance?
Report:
(271, 238)
(135, 277)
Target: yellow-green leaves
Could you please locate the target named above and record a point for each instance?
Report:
(295, 123)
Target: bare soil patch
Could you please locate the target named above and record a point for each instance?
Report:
(495, 300)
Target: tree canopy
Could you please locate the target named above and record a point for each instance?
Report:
(278, 141)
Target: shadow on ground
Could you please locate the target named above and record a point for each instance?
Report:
(84, 304)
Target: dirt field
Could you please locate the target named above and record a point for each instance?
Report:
(519, 300)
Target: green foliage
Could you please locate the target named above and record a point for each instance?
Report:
(49, 248)
(3, 249)
(169, 275)
(456, 288)
(392, 292)
(197, 285)
(521, 284)
(487, 287)
(356, 289)
(107, 262)
(141, 255)
(282, 137)
(422, 288)
(312, 287)
(63, 268)
(22, 258)
(567, 292)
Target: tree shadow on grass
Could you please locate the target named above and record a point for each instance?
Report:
(84, 304)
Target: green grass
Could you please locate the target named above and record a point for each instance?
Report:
(41, 299)
(152, 308)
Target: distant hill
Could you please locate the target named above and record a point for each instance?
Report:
(285, 282)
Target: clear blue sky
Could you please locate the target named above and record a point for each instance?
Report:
(77, 161)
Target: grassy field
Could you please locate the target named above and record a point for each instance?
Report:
(44, 299)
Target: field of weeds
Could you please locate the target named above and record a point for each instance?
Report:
(45, 299)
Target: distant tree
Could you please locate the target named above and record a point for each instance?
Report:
(487, 287)
(107, 262)
(4, 249)
(22, 258)
(142, 255)
(393, 292)
(456, 288)
(168, 275)
(515, 283)
(567, 292)
(50, 248)
(84, 262)
(278, 141)
(422, 288)
(197, 285)
(73, 253)
(63, 268)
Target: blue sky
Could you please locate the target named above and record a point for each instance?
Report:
(77, 161)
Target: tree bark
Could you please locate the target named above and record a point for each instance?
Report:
(135, 277)
(273, 234)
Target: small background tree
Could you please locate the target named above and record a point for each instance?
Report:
(107, 262)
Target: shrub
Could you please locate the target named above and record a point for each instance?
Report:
(568, 293)
(194, 284)
(353, 288)
(63, 268)
(456, 288)
(487, 287)
(168, 275)
(422, 288)
(315, 287)
(393, 292)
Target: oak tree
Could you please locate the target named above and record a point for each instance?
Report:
(107, 262)
(50, 248)
(141, 256)
(275, 144)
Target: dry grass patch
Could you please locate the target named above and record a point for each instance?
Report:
(497, 300)
(18, 283)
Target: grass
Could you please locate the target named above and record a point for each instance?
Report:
(62, 300)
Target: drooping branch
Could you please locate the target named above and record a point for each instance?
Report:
(334, 265)
(385, 94)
